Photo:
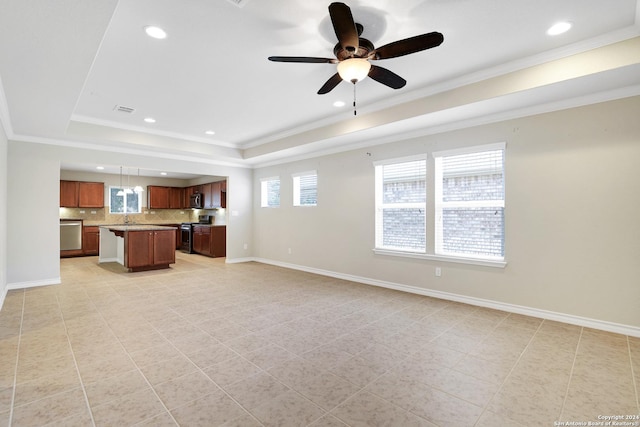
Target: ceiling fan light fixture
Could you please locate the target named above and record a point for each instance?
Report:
(354, 69)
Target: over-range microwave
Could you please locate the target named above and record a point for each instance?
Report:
(196, 201)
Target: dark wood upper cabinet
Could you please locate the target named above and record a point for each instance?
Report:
(157, 197)
(214, 195)
(68, 194)
(206, 191)
(176, 197)
(90, 195)
(80, 194)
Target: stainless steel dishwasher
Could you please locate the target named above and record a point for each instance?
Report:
(70, 235)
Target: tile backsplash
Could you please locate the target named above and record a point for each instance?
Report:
(101, 216)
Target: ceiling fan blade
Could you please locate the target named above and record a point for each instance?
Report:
(407, 46)
(305, 59)
(386, 77)
(344, 26)
(330, 84)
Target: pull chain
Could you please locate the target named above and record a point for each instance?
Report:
(354, 97)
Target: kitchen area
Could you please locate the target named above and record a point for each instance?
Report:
(141, 226)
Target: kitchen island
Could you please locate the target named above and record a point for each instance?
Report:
(138, 247)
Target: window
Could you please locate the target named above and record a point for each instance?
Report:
(124, 201)
(401, 195)
(469, 203)
(270, 192)
(305, 189)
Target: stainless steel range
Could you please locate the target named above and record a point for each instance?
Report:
(186, 232)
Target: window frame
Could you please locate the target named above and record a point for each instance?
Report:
(430, 252)
(296, 177)
(380, 206)
(124, 204)
(264, 191)
(440, 204)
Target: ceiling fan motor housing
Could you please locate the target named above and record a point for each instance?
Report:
(365, 47)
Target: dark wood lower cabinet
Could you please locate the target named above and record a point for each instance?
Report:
(148, 250)
(210, 241)
(91, 240)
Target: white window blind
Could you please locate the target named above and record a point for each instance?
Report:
(469, 203)
(305, 189)
(270, 192)
(401, 194)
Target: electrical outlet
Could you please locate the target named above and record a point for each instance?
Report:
(246, 246)
(81, 212)
(93, 212)
(289, 250)
(438, 272)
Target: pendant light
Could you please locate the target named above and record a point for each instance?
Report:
(128, 189)
(138, 189)
(120, 190)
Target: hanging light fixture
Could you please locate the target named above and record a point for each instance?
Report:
(120, 190)
(138, 189)
(128, 189)
(354, 69)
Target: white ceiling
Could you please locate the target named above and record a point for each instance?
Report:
(65, 66)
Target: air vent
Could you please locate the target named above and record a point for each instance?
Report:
(123, 109)
(239, 3)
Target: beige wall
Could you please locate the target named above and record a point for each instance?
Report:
(33, 203)
(572, 216)
(3, 214)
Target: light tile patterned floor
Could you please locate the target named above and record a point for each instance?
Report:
(207, 344)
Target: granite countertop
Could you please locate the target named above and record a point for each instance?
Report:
(94, 223)
(210, 225)
(136, 227)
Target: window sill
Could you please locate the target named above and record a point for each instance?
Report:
(443, 258)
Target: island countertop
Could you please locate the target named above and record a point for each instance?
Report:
(137, 227)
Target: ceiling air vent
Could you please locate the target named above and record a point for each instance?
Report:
(123, 109)
(239, 3)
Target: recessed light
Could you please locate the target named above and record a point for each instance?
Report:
(163, 173)
(150, 120)
(210, 132)
(100, 168)
(155, 32)
(559, 28)
(339, 104)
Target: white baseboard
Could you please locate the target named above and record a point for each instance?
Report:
(238, 260)
(3, 296)
(34, 283)
(603, 325)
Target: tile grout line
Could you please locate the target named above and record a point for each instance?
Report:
(573, 365)
(198, 368)
(138, 369)
(633, 377)
(15, 371)
(75, 363)
(506, 378)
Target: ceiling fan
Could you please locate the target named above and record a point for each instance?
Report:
(353, 53)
